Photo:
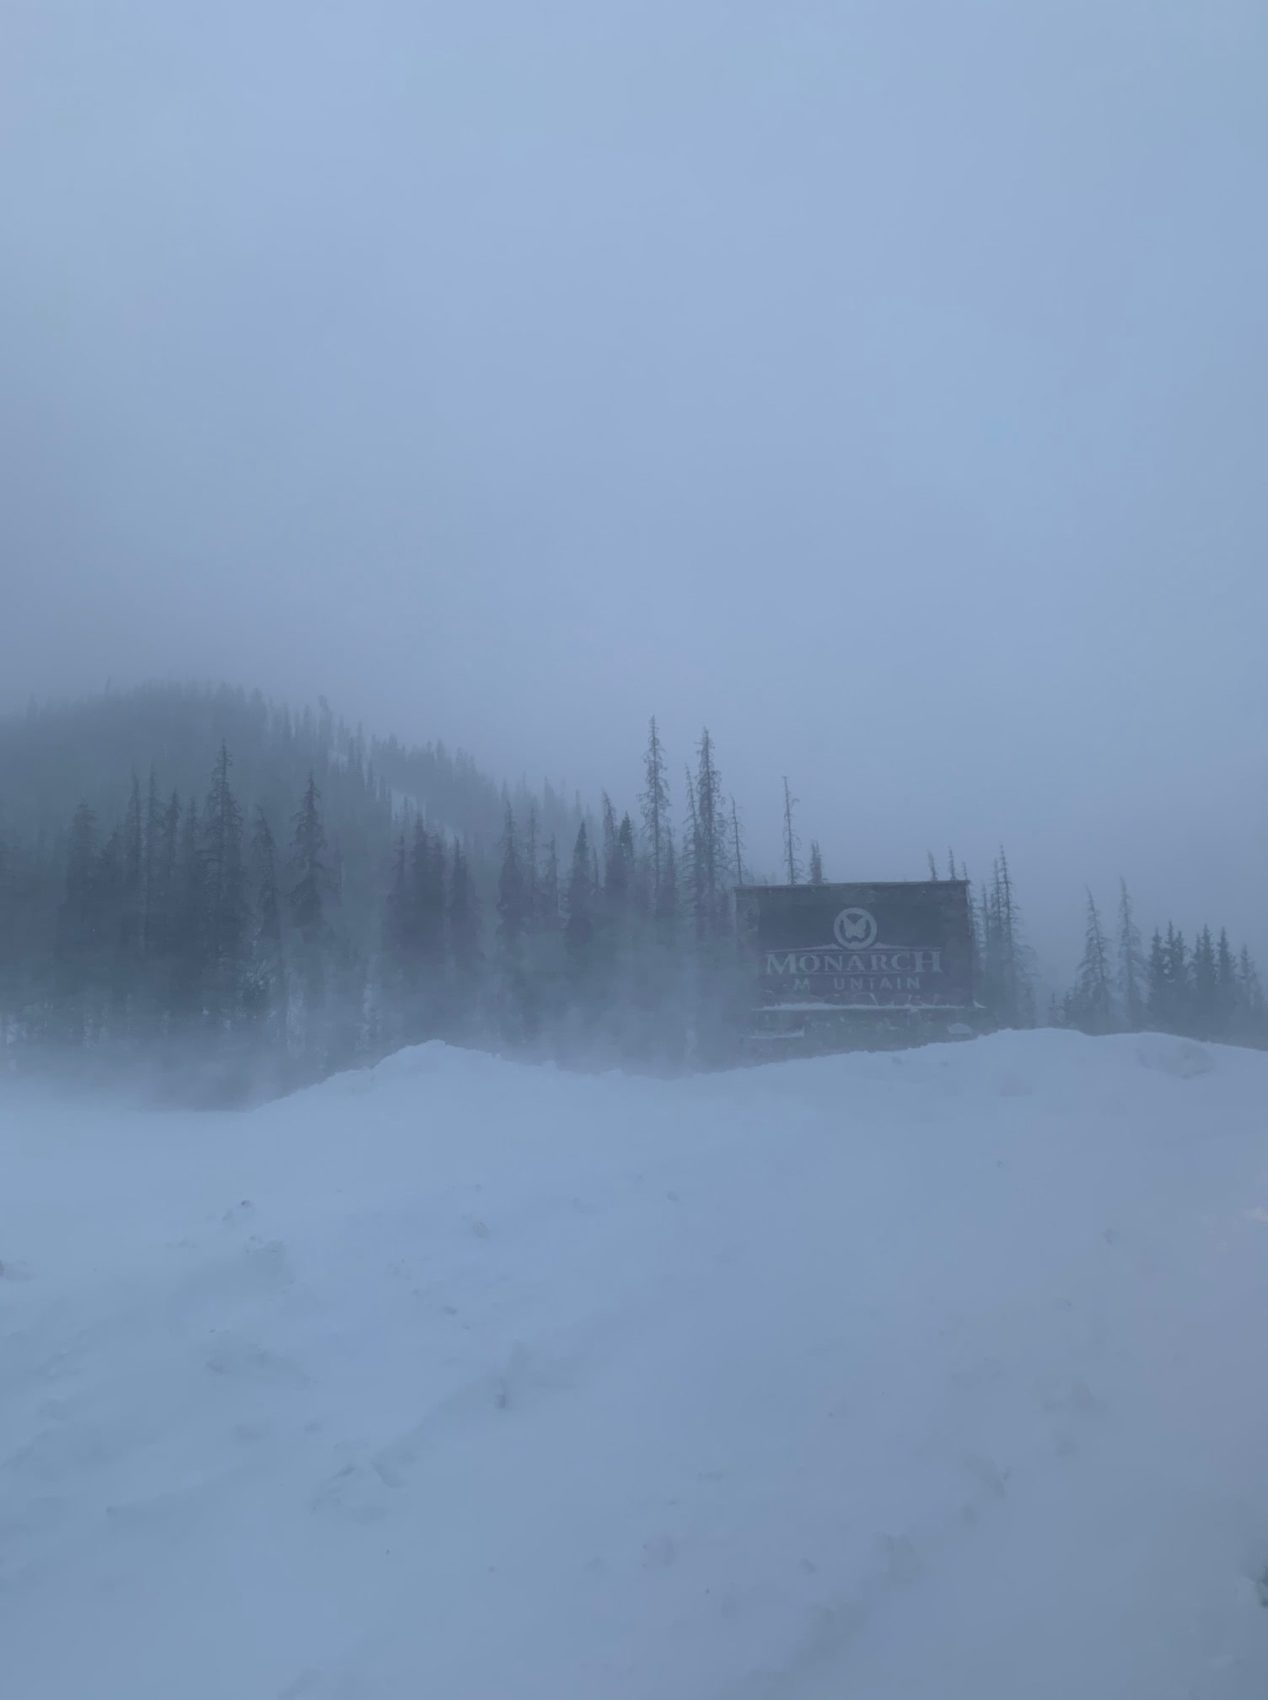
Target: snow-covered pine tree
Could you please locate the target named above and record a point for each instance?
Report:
(1130, 964)
(466, 963)
(227, 912)
(132, 890)
(150, 861)
(308, 865)
(190, 941)
(1252, 1009)
(1179, 982)
(266, 994)
(309, 886)
(579, 925)
(514, 998)
(1204, 987)
(1226, 981)
(550, 889)
(1092, 1004)
(1156, 988)
(655, 807)
(667, 895)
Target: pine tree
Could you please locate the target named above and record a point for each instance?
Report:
(33, 977)
(709, 849)
(163, 900)
(309, 872)
(616, 870)
(667, 896)
(512, 915)
(226, 892)
(1251, 1003)
(189, 946)
(655, 809)
(1204, 988)
(627, 857)
(1015, 958)
(464, 920)
(1170, 999)
(1157, 995)
(995, 969)
(550, 892)
(79, 926)
(1179, 983)
(975, 934)
(515, 993)
(737, 844)
(816, 863)
(792, 844)
(266, 982)
(1227, 998)
(579, 927)
(117, 966)
(77, 916)
(1092, 1006)
(1131, 966)
(10, 970)
(150, 868)
(691, 847)
(532, 893)
(396, 915)
(1006, 934)
(464, 942)
(427, 903)
(132, 888)
(416, 934)
(306, 901)
(1007, 984)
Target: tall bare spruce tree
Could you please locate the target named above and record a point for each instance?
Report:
(792, 844)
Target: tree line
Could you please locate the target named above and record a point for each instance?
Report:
(290, 936)
(210, 926)
(1206, 990)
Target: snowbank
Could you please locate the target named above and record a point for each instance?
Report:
(927, 1375)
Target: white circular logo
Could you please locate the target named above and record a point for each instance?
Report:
(855, 929)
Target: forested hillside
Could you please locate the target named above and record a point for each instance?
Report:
(54, 757)
(198, 877)
(180, 862)
(197, 872)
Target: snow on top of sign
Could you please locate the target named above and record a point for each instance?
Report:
(872, 1008)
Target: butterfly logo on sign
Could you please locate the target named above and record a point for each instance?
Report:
(855, 929)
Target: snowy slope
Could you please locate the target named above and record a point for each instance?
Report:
(928, 1375)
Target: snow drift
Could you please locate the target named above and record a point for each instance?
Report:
(938, 1374)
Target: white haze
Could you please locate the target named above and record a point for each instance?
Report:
(885, 385)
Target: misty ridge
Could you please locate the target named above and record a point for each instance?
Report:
(231, 898)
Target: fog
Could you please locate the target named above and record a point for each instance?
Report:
(883, 385)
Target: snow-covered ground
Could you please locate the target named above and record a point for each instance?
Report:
(927, 1376)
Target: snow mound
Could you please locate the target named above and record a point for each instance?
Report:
(931, 1375)
(1182, 1058)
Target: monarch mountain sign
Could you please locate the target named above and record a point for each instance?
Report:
(905, 945)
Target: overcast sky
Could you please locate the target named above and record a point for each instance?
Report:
(885, 384)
